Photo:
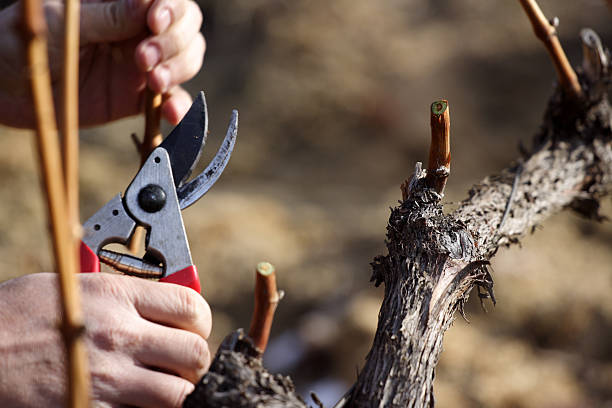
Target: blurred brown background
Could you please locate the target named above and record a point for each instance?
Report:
(333, 99)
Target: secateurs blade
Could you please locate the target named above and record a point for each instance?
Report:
(154, 200)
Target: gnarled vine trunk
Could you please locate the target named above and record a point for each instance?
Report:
(435, 259)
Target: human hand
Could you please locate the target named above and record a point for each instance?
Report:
(124, 45)
(145, 341)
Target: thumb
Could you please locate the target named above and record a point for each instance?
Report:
(115, 20)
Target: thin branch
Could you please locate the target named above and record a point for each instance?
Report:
(152, 139)
(34, 34)
(547, 33)
(152, 135)
(438, 167)
(137, 240)
(266, 300)
(70, 122)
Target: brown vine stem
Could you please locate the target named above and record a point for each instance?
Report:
(34, 34)
(152, 138)
(70, 122)
(266, 299)
(438, 167)
(152, 135)
(547, 33)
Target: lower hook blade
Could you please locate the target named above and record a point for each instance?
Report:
(190, 192)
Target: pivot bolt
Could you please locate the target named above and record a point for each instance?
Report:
(152, 198)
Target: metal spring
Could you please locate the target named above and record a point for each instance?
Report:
(130, 265)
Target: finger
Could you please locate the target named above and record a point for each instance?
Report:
(143, 387)
(175, 105)
(172, 305)
(179, 68)
(175, 351)
(113, 21)
(179, 35)
(163, 13)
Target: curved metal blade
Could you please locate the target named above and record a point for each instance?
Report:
(184, 144)
(196, 188)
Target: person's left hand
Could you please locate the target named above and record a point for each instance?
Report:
(124, 45)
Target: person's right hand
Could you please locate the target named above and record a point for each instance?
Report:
(146, 341)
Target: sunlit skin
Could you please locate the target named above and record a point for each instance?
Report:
(146, 341)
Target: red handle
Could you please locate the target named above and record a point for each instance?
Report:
(89, 259)
(186, 277)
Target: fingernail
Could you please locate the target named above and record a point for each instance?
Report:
(151, 56)
(164, 19)
(163, 78)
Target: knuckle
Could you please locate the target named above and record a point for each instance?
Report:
(200, 354)
(175, 8)
(200, 43)
(185, 388)
(189, 22)
(114, 336)
(112, 15)
(105, 284)
(190, 304)
(194, 10)
(196, 57)
(207, 318)
(178, 41)
(108, 339)
(93, 282)
(105, 373)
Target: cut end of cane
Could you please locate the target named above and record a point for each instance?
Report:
(439, 107)
(438, 167)
(266, 300)
(265, 268)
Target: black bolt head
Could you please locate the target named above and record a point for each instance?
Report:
(152, 198)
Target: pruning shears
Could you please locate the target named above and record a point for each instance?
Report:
(154, 200)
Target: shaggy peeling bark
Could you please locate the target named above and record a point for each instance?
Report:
(237, 379)
(434, 259)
